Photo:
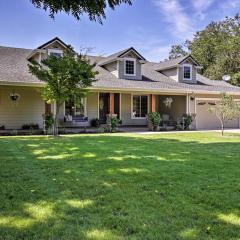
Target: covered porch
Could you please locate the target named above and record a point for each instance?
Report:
(132, 108)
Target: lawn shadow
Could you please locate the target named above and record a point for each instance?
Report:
(120, 187)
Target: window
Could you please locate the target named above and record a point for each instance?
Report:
(55, 52)
(130, 66)
(139, 106)
(187, 72)
(73, 110)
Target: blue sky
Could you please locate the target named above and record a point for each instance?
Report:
(151, 26)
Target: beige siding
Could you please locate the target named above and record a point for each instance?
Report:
(112, 67)
(92, 106)
(178, 107)
(172, 73)
(126, 111)
(28, 110)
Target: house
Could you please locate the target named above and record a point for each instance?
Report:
(127, 85)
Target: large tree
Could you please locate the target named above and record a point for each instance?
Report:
(217, 49)
(177, 51)
(95, 9)
(67, 79)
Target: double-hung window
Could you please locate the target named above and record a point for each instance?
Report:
(139, 106)
(187, 72)
(55, 52)
(130, 67)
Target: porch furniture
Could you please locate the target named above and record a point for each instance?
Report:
(76, 121)
(167, 121)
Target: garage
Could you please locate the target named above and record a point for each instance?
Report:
(207, 120)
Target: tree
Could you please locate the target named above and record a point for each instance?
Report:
(66, 79)
(95, 9)
(177, 51)
(225, 110)
(217, 49)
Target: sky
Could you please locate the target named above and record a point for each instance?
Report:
(150, 26)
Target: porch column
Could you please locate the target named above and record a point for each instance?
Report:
(153, 108)
(111, 103)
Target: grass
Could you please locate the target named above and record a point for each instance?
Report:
(120, 186)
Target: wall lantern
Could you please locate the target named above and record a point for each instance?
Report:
(14, 97)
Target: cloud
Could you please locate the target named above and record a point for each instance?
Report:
(201, 7)
(181, 24)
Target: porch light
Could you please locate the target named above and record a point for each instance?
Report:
(14, 97)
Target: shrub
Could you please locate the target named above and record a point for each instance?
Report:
(154, 120)
(95, 122)
(2, 127)
(112, 123)
(49, 120)
(187, 119)
(30, 126)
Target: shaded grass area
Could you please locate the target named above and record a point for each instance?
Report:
(120, 186)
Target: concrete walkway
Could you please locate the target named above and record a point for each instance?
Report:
(144, 131)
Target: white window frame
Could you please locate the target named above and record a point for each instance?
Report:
(132, 117)
(187, 65)
(55, 51)
(134, 61)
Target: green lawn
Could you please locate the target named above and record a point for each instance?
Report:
(120, 186)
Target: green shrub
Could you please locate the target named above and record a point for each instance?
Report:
(154, 120)
(95, 122)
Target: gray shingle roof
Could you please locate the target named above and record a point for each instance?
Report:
(14, 68)
(14, 65)
(114, 56)
(172, 62)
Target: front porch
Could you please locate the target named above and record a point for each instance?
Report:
(131, 108)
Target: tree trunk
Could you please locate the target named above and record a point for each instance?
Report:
(222, 124)
(55, 125)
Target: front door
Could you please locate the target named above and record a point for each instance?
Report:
(103, 106)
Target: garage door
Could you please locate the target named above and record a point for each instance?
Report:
(207, 120)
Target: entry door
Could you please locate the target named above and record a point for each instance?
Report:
(103, 106)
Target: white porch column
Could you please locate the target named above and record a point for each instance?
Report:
(187, 104)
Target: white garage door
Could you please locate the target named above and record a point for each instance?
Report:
(207, 120)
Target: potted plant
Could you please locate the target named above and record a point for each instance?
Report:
(112, 122)
(154, 120)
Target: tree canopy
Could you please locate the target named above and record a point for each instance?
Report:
(177, 51)
(95, 9)
(67, 79)
(217, 49)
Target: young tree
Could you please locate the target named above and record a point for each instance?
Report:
(66, 79)
(217, 49)
(177, 51)
(225, 110)
(95, 9)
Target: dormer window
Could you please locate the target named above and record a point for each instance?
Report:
(55, 52)
(187, 72)
(130, 67)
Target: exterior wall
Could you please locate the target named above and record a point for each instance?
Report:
(138, 75)
(172, 73)
(194, 72)
(92, 106)
(205, 119)
(29, 109)
(113, 68)
(126, 111)
(178, 107)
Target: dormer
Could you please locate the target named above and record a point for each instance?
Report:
(182, 69)
(53, 47)
(126, 64)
